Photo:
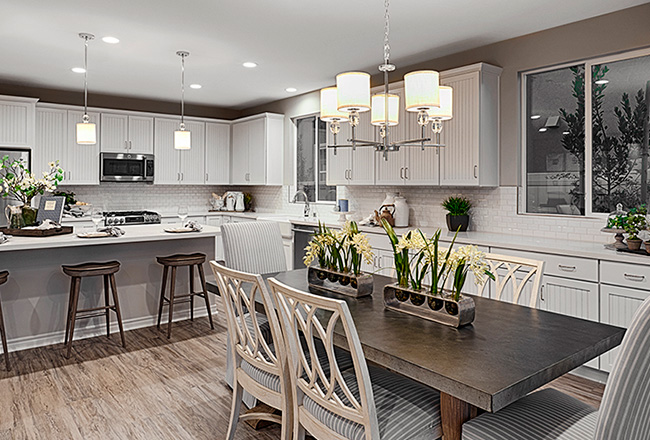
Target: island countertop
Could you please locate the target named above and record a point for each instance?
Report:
(133, 234)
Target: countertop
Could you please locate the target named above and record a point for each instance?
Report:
(133, 234)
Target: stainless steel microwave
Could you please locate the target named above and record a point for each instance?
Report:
(126, 167)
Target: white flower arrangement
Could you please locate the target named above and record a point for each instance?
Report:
(19, 183)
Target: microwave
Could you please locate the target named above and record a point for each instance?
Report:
(126, 167)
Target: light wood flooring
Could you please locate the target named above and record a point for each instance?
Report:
(155, 389)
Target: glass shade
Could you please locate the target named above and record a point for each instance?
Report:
(182, 140)
(445, 112)
(378, 114)
(422, 90)
(329, 104)
(86, 133)
(353, 91)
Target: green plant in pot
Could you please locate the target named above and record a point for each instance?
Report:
(457, 212)
(635, 222)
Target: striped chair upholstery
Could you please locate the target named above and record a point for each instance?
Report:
(253, 247)
(360, 403)
(546, 415)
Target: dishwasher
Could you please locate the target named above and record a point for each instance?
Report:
(302, 235)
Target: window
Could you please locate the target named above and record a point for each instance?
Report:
(311, 159)
(574, 170)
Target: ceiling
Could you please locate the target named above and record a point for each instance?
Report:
(301, 44)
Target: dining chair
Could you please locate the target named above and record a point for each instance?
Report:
(258, 355)
(549, 414)
(361, 403)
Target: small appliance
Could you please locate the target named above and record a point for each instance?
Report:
(126, 167)
(125, 218)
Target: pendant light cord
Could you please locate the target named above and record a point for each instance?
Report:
(85, 77)
(386, 32)
(183, 91)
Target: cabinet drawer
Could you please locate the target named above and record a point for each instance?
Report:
(628, 275)
(559, 265)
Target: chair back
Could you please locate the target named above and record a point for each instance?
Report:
(625, 408)
(253, 247)
(239, 291)
(312, 317)
(515, 279)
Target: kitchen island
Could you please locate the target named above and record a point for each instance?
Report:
(35, 298)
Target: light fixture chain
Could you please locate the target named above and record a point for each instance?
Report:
(386, 32)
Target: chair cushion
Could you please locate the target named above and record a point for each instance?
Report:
(405, 408)
(543, 415)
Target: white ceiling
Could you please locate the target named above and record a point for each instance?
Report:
(296, 43)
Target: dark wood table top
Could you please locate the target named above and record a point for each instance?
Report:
(507, 352)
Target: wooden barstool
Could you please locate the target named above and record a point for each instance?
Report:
(107, 270)
(4, 275)
(173, 262)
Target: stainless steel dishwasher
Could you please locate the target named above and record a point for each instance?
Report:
(301, 237)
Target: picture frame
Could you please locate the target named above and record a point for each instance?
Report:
(50, 208)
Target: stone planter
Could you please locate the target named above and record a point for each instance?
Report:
(29, 215)
(440, 309)
(343, 283)
(634, 245)
(457, 221)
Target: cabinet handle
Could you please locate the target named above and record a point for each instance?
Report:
(633, 277)
(541, 293)
(350, 171)
(566, 268)
(126, 145)
(401, 173)
(406, 173)
(476, 171)
(207, 177)
(182, 176)
(178, 176)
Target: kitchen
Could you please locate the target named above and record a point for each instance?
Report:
(259, 146)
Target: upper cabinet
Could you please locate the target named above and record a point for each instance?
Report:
(122, 133)
(17, 117)
(257, 150)
(179, 167)
(217, 153)
(347, 166)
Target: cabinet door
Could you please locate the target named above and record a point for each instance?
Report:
(217, 153)
(362, 169)
(51, 139)
(192, 161)
(573, 298)
(114, 134)
(16, 123)
(140, 134)
(257, 152)
(391, 166)
(422, 167)
(167, 166)
(82, 161)
(617, 307)
(239, 153)
(460, 135)
(338, 159)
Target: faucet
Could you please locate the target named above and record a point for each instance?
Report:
(307, 206)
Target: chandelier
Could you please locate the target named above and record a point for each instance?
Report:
(351, 96)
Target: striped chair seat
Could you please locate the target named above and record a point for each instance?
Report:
(543, 415)
(405, 409)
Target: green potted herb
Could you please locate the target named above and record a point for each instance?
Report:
(457, 212)
(635, 221)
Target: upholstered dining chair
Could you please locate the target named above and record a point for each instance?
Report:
(549, 414)
(362, 403)
(258, 355)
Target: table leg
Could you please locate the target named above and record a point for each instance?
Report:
(454, 413)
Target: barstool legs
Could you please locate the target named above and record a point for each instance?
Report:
(171, 302)
(205, 295)
(162, 294)
(74, 300)
(4, 339)
(116, 304)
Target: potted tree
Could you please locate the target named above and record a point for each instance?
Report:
(635, 221)
(457, 212)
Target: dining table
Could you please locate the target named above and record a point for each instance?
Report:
(507, 352)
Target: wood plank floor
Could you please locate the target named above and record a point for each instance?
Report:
(155, 389)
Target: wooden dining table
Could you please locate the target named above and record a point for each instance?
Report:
(507, 352)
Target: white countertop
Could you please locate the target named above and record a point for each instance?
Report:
(133, 234)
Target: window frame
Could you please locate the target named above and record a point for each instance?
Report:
(588, 63)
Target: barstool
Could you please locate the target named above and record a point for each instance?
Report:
(173, 262)
(107, 270)
(3, 279)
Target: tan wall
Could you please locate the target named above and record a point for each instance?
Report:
(611, 33)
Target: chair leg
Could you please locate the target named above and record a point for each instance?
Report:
(191, 269)
(73, 316)
(69, 315)
(237, 394)
(106, 304)
(171, 302)
(162, 294)
(205, 295)
(116, 303)
(4, 339)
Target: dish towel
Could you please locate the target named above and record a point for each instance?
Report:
(45, 225)
(112, 230)
(193, 226)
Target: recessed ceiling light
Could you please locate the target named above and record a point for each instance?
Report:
(602, 81)
(249, 64)
(78, 70)
(291, 89)
(110, 40)
(543, 129)
(195, 86)
(535, 117)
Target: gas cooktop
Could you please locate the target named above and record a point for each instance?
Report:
(121, 218)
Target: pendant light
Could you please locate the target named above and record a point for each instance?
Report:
(86, 131)
(182, 137)
(329, 111)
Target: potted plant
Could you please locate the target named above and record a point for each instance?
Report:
(457, 212)
(635, 221)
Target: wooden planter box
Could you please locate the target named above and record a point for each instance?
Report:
(340, 282)
(441, 309)
(37, 232)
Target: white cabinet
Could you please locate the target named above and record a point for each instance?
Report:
(347, 166)
(17, 116)
(471, 138)
(217, 153)
(123, 133)
(180, 167)
(51, 139)
(257, 150)
(287, 244)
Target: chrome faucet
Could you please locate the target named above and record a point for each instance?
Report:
(307, 206)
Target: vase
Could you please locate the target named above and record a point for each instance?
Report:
(14, 216)
(342, 283)
(401, 212)
(29, 215)
(457, 221)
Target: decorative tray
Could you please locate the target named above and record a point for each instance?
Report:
(94, 235)
(37, 232)
(179, 230)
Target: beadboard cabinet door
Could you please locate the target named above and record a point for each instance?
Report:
(257, 155)
(51, 139)
(257, 150)
(339, 159)
(140, 134)
(167, 158)
(217, 153)
(239, 153)
(362, 164)
(192, 161)
(81, 162)
(115, 133)
(17, 116)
